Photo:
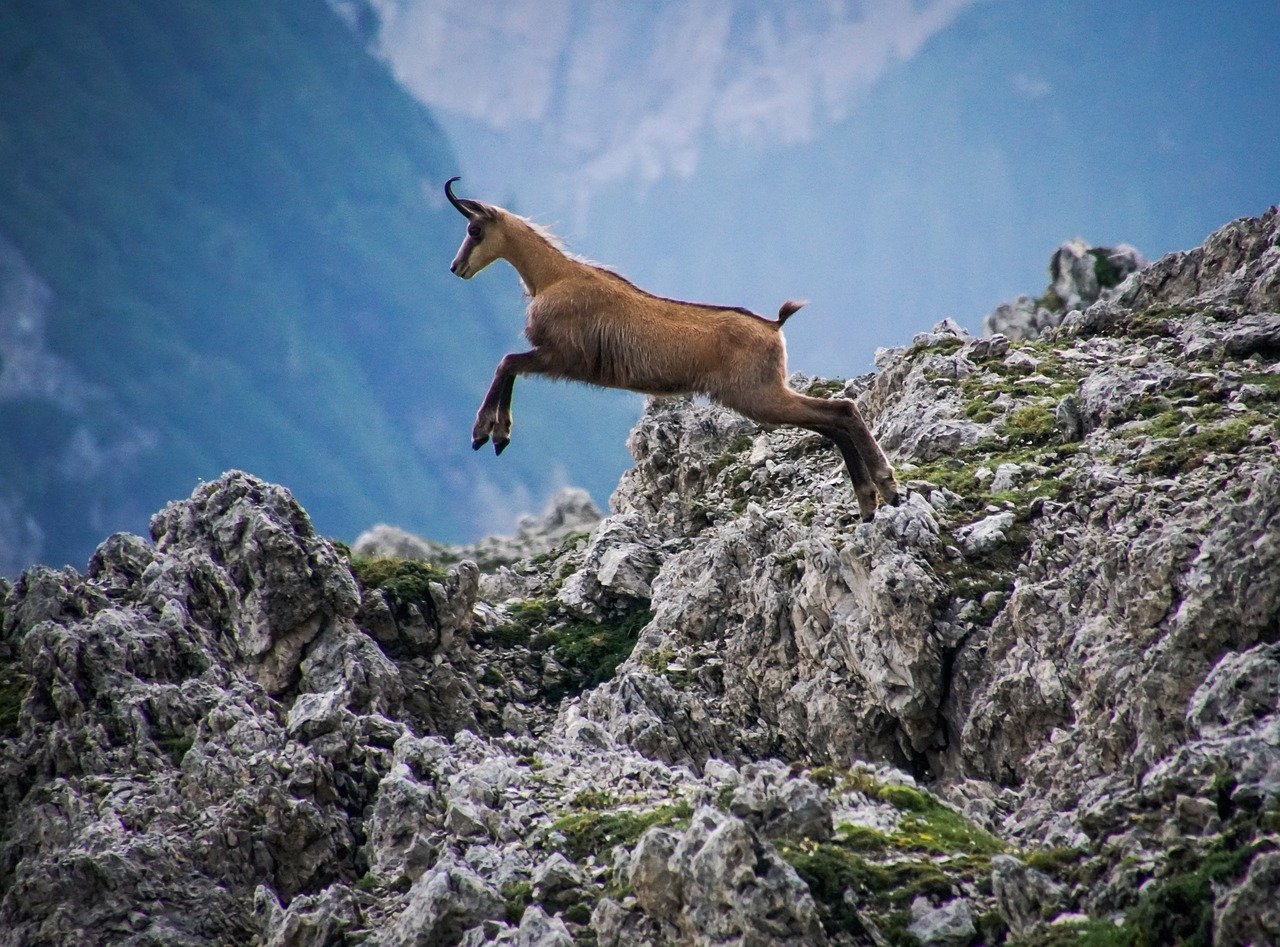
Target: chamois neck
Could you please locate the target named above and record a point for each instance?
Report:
(538, 261)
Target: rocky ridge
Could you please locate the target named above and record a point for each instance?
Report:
(1079, 276)
(1037, 703)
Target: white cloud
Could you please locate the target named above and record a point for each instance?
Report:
(609, 92)
(1031, 87)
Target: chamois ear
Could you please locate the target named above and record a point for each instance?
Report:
(472, 210)
(480, 210)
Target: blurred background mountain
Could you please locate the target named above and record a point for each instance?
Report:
(223, 243)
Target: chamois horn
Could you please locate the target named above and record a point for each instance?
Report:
(448, 192)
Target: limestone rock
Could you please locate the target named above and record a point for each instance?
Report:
(1079, 275)
(718, 883)
(570, 512)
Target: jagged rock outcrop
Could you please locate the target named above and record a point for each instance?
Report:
(569, 513)
(1079, 275)
(1039, 701)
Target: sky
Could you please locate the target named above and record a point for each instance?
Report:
(893, 161)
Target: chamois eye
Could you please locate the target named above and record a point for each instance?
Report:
(475, 230)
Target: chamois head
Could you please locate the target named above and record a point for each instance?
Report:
(485, 237)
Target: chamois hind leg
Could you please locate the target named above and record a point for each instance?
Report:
(494, 417)
(781, 405)
(877, 464)
(863, 486)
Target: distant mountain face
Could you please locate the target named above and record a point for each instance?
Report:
(601, 95)
(223, 244)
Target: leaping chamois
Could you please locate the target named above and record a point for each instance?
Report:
(591, 325)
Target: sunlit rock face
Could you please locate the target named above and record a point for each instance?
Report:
(1039, 698)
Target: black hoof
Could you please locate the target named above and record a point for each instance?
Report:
(499, 445)
(479, 442)
(868, 517)
(897, 499)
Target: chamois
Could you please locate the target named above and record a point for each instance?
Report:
(591, 325)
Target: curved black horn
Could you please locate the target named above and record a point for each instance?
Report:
(448, 192)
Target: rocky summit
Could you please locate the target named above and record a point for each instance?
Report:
(1036, 703)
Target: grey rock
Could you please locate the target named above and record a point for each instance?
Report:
(556, 881)
(620, 563)
(986, 534)
(1079, 275)
(950, 924)
(1249, 913)
(780, 806)
(1023, 318)
(219, 738)
(287, 580)
(570, 512)
(311, 920)
(442, 905)
(719, 883)
(1024, 896)
(1068, 418)
(538, 929)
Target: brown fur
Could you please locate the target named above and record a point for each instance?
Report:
(591, 325)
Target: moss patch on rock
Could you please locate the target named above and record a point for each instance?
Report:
(14, 686)
(596, 832)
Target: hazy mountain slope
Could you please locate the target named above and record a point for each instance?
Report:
(236, 214)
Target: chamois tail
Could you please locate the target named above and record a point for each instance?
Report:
(789, 309)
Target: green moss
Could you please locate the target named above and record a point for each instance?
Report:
(404, 582)
(579, 913)
(518, 895)
(591, 652)
(825, 388)
(174, 745)
(1050, 300)
(1185, 453)
(594, 799)
(1095, 932)
(567, 545)
(596, 833)
(991, 928)
(1104, 271)
(1158, 321)
(1030, 425)
(929, 826)
(14, 686)
(944, 346)
(1054, 861)
(859, 838)
(1176, 907)
(830, 871)
(525, 620)
(881, 891)
(1179, 908)
(731, 454)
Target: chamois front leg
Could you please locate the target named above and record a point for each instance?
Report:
(494, 417)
